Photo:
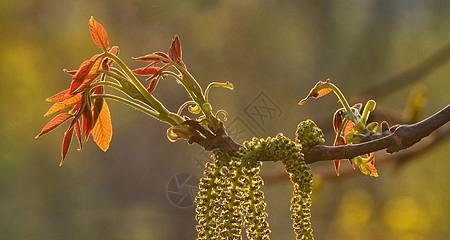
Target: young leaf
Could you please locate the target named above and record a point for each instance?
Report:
(102, 131)
(59, 106)
(337, 163)
(86, 73)
(86, 123)
(175, 52)
(147, 70)
(98, 34)
(59, 96)
(319, 90)
(54, 123)
(65, 144)
(76, 126)
(152, 84)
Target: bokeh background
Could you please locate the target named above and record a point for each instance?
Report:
(273, 49)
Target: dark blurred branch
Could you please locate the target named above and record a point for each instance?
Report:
(401, 137)
(415, 73)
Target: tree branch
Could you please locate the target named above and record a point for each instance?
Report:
(401, 137)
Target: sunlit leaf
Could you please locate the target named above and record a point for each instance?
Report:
(147, 70)
(86, 123)
(152, 84)
(65, 144)
(59, 96)
(338, 118)
(349, 128)
(175, 52)
(54, 123)
(319, 90)
(366, 165)
(59, 106)
(87, 72)
(102, 130)
(337, 163)
(76, 126)
(98, 34)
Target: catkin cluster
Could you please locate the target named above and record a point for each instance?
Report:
(230, 197)
(307, 135)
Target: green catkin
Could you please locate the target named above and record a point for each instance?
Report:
(255, 215)
(230, 195)
(307, 135)
(219, 211)
(206, 211)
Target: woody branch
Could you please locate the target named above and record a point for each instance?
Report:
(398, 138)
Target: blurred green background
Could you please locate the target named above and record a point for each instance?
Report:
(278, 48)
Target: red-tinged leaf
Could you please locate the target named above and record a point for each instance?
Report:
(59, 106)
(76, 107)
(337, 165)
(319, 90)
(54, 123)
(339, 141)
(152, 84)
(70, 72)
(175, 50)
(98, 34)
(86, 73)
(149, 58)
(59, 96)
(148, 70)
(348, 128)
(338, 119)
(86, 123)
(162, 55)
(102, 130)
(76, 126)
(65, 144)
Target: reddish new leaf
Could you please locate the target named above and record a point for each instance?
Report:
(152, 84)
(102, 130)
(337, 166)
(348, 128)
(175, 52)
(54, 123)
(148, 70)
(76, 126)
(338, 119)
(319, 90)
(337, 163)
(86, 123)
(59, 106)
(98, 34)
(86, 73)
(66, 143)
(59, 96)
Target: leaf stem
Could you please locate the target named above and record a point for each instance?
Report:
(164, 114)
(134, 105)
